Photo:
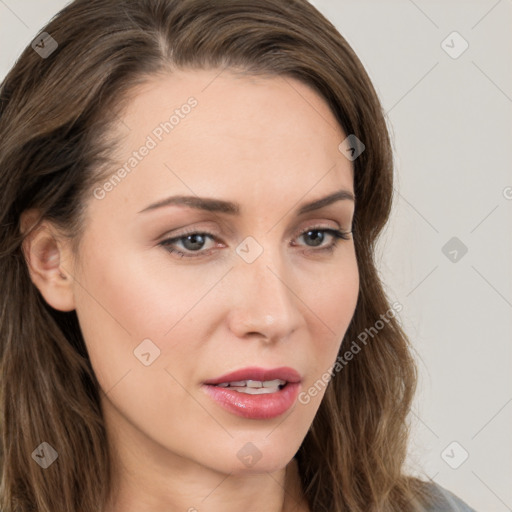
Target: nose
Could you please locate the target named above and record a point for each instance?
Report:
(263, 301)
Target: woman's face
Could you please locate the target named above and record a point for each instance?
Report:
(258, 286)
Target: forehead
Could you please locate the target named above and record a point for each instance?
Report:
(213, 133)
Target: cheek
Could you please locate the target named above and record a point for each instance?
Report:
(333, 306)
(140, 340)
(333, 301)
(123, 301)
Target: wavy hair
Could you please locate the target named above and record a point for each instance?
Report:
(55, 114)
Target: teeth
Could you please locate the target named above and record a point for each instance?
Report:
(273, 383)
(257, 391)
(254, 386)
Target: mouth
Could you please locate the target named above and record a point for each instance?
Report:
(254, 387)
(255, 393)
(254, 376)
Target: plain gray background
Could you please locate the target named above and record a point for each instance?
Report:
(450, 116)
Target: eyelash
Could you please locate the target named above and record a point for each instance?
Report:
(337, 234)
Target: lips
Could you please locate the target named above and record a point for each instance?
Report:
(258, 374)
(255, 393)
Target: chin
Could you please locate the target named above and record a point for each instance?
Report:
(266, 452)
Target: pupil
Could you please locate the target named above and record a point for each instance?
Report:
(318, 238)
(193, 238)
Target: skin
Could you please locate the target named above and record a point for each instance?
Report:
(270, 144)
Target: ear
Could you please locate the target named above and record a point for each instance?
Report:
(48, 257)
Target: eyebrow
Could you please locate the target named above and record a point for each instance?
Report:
(232, 208)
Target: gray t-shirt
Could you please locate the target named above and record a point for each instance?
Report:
(446, 501)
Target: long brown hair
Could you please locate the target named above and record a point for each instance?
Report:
(55, 112)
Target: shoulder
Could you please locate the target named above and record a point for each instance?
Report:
(445, 501)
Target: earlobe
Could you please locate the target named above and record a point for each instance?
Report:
(44, 255)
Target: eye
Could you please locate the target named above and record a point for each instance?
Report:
(194, 241)
(313, 234)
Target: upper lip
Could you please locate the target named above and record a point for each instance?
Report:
(261, 374)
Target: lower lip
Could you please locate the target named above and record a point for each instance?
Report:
(257, 407)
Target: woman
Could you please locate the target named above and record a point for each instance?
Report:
(192, 318)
